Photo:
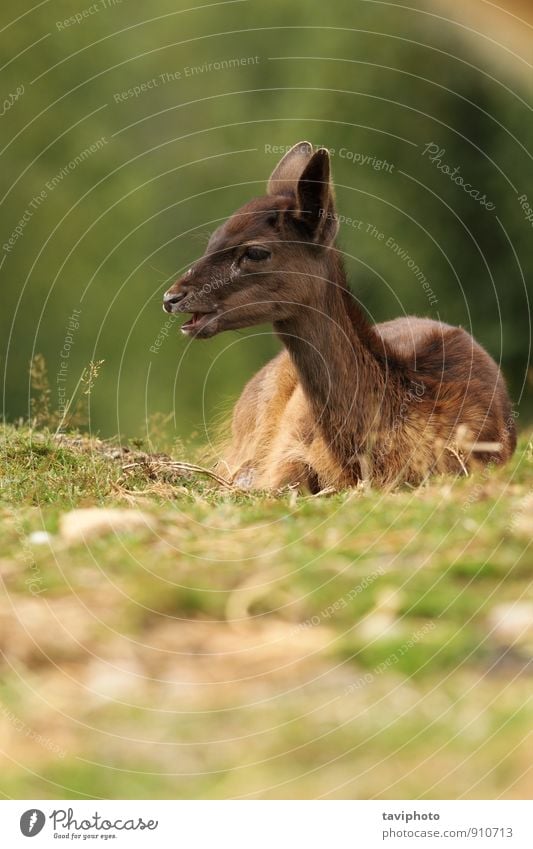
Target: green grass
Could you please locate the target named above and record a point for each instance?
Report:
(260, 646)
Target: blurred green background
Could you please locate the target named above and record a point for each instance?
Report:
(218, 87)
(173, 658)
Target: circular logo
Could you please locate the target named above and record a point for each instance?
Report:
(32, 822)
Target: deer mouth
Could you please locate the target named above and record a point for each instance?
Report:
(201, 323)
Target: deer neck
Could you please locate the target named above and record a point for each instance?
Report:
(342, 368)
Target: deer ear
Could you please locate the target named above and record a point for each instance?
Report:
(316, 199)
(285, 175)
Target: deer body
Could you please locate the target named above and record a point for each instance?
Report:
(345, 401)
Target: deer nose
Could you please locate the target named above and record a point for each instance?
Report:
(170, 299)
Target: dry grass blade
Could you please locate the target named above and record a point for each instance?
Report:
(459, 459)
(154, 464)
(180, 466)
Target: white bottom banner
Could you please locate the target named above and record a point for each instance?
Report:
(268, 824)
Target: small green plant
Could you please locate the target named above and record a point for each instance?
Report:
(75, 413)
(40, 413)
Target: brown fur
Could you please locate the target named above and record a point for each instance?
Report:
(345, 401)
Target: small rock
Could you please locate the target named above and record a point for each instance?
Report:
(512, 623)
(83, 524)
(522, 521)
(39, 537)
(116, 680)
(382, 622)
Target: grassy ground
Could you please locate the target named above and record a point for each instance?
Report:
(214, 644)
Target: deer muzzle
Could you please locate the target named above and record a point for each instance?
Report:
(172, 299)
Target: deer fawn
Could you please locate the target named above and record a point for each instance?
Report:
(346, 401)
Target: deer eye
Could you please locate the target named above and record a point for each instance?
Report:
(255, 253)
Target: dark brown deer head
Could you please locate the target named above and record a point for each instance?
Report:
(270, 257)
